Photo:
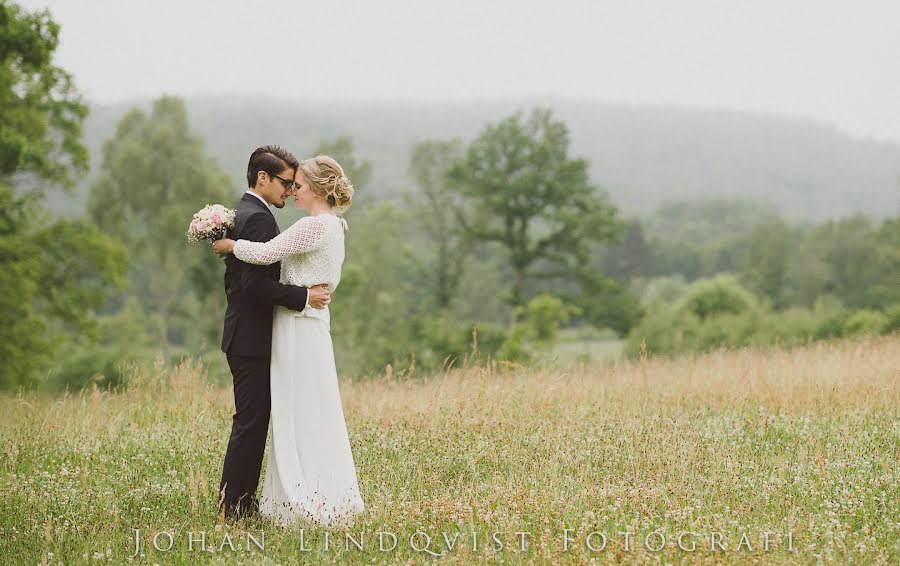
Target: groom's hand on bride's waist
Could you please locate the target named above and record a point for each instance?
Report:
(319, 296)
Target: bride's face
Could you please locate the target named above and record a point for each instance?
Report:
(303, 194)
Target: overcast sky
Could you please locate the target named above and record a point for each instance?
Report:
(832, 60)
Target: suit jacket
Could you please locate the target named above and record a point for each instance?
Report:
(253, 290)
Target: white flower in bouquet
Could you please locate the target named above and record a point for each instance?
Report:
(210, 223)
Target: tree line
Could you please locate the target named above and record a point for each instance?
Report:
(503, 242)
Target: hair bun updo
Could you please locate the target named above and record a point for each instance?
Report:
(327, 179)
(340, 194)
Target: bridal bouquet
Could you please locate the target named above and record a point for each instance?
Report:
(210, 223)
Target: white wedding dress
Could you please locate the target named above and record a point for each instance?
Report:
(310, 472)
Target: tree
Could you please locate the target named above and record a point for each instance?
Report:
(885, 291)
(437, 205)
(525, 193)
(376, 297)
(606, 302)
(40, 129)
(153, 177)
(544, 315)
(838, 258)
(765, 263)
(720, 295)
(703, 237)
(851, 259)
(53, 274)
(630, 257)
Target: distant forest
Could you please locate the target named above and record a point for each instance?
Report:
(534, 231)
(642, 156)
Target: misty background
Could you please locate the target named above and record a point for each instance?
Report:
(789, 103)
(828, 61)
(749, 153)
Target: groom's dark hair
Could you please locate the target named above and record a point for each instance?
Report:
(273, 159)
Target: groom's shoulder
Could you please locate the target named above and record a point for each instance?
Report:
(246, 210)
(244, 205)
(256, 224)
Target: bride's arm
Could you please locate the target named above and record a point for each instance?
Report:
(303, 236)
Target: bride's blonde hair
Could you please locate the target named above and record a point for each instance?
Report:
(327, 179)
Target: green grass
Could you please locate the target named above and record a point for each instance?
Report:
(804, 441)
(587, 345)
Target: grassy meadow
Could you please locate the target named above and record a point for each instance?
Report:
(802, 443)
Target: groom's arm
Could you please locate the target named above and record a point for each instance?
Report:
(257, 285)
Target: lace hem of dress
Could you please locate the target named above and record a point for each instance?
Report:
(315, 511)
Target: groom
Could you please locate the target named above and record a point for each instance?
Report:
(252, 291)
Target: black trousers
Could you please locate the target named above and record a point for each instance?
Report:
(249, 427)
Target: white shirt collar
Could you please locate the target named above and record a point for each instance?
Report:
(262, 199)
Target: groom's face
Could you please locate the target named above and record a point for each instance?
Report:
(273, 189)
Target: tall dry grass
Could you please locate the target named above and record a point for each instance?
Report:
(805, 442)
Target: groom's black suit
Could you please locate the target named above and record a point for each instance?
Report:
(251, 291)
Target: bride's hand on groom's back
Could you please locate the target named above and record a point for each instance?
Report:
(319, 296)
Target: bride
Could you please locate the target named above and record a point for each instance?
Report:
(310, 472)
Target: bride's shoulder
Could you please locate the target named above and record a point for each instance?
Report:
(309, 222)
(319, 222)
